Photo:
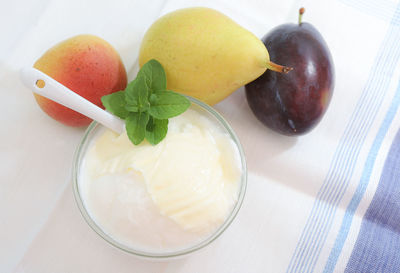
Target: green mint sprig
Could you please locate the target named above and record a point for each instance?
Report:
(146, 104)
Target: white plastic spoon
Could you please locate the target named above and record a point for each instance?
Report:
(47, 87)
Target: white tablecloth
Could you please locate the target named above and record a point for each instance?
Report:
(41, 229)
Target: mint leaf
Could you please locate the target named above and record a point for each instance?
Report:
(146, 105)
(156, 130)
(167, 104)
(155, 76)
(135, 125)
(136, 95)
(115, 104)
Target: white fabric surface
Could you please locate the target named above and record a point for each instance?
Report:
(41, 228)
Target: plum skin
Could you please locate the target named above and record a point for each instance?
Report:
(293, 103)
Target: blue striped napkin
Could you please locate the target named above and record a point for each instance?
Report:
(340, 199)
(374, 245)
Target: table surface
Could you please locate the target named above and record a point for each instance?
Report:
(42, 229)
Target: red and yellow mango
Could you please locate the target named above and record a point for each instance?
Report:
(86, 64)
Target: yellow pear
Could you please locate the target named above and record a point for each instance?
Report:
(205, 54)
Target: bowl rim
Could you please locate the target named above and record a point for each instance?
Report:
(81, 149)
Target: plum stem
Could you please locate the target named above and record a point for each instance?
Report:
(301, 11)
(279, 68)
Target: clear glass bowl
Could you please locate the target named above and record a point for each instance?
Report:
(81, 150)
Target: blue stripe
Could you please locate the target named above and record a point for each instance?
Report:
(320, 220)
(362, 186)
(378, 243)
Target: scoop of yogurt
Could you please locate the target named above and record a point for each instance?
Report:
(166, 196)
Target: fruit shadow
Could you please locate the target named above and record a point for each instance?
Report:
(132, 70)
(262, 146)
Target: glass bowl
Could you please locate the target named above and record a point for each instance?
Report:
(81, 151)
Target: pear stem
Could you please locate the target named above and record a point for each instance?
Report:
(279, 68)
(301, 11)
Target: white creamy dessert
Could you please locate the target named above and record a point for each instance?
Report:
(166, 197)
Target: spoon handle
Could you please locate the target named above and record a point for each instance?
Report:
(47, 87)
